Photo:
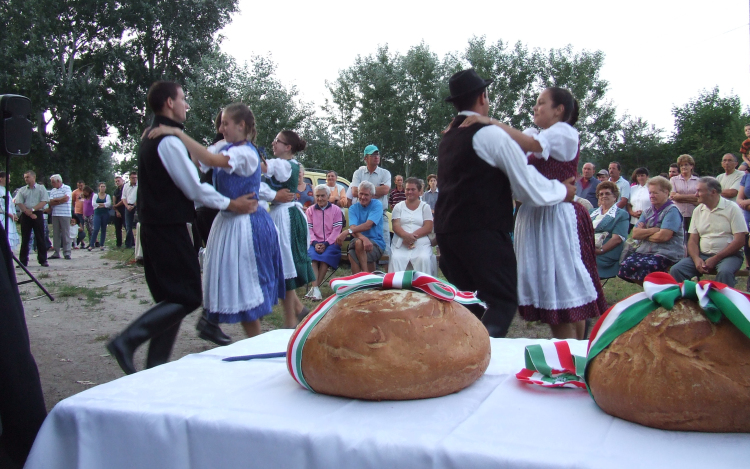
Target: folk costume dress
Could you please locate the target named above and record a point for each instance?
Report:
(557, 276)
(292, 224)
(242, 268)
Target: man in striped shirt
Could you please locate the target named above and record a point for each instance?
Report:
(59, 202)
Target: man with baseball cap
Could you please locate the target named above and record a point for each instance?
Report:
(380, 178)
(481, 169)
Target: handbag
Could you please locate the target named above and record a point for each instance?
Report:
(599, 239)
(630, 247)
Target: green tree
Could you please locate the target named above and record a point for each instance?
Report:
(394, 101)
(639, 144)
(707, 127)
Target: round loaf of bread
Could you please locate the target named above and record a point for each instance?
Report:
(676, 371)
(394, 345)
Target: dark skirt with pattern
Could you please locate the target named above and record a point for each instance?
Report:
(636, 266)
(302, 262)
(588, 255)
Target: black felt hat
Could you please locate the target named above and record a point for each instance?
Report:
(465, 82)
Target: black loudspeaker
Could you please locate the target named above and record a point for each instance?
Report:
(15, 126)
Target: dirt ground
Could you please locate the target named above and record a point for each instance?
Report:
(95, 298)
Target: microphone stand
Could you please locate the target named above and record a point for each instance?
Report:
(6, 204)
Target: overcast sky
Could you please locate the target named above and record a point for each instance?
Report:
(657, 53)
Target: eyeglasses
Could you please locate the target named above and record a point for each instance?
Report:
(605, 194)
(276, 140)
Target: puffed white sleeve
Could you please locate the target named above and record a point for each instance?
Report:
(560, 141)
(243, 160)
(493, 145)
(279, 168)
(174, 157)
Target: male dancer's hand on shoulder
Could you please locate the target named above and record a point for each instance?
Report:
(244, 204)
(570, 185)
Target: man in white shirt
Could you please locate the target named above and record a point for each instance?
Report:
(129, 199)
(381, 179)
(59, 202)
(730, 179)
(480, 169)
(168, 189)
(622, 184)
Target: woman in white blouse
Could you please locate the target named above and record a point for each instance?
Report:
(412, 222)
(639, 197)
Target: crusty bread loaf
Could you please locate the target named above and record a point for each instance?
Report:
(395, 344)
(676, 371)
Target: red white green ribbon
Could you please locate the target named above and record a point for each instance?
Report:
(345, 286)
(552, 365)
(659, 289)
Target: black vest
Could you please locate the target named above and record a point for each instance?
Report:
(160, 201)
(473, 195)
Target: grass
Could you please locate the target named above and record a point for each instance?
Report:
(65, 290)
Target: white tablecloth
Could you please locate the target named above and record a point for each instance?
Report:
(200, 412)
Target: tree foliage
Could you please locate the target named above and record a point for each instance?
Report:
(707, 127)
(86, 66)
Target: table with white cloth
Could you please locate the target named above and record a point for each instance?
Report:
(201, 412)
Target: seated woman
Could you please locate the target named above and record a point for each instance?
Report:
(659, 229)
(412, 222)
(613, 221)
(325, 221)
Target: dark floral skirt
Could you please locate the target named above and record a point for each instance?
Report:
(636, 266)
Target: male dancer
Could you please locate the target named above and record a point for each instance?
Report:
(481, 169)
(168, 186)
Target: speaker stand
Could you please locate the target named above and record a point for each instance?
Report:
(12, 254)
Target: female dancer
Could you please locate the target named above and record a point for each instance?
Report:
(557, 278)
(242, 270)
(283, 172)
(101, 202)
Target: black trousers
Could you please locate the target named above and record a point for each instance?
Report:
(171, 266)
(119, 223)
(22, 408)
(27, 224)
(204, 218)
(484, 262)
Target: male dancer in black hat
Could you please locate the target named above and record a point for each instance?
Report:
(481, 169)
(167, 186)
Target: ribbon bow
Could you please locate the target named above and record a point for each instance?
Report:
(345, 286)
(659, 289)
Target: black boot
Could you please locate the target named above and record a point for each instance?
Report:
(152, 323)
(211, 331)
(160, 347)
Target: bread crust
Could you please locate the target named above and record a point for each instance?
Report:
(394, 345)
(676, 371)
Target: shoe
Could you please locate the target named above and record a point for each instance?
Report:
(44, 264)
(157, 321)
(102, 249)
(316, 296)
(54, 256)
(302, 314)
(309, 293)
(76, 247)
(67, 258)
(89, 248)
(212, 332)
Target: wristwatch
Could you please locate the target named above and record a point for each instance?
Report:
(350, 231)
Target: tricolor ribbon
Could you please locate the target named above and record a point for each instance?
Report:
(551, 365)
(345, 286)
